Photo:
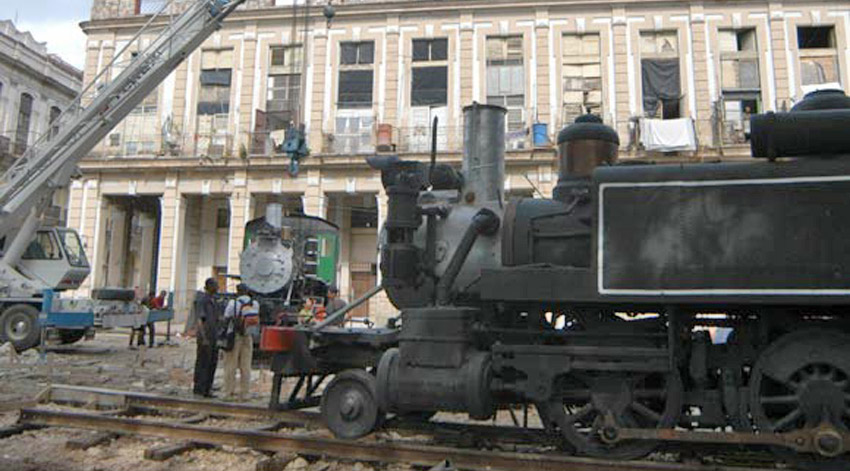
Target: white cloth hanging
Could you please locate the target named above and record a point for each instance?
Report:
(668, 135)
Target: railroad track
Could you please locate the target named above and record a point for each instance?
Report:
(104, 412)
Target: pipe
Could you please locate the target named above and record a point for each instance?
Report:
(354, 304)
(485, 222)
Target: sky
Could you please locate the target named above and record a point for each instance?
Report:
(55, 22)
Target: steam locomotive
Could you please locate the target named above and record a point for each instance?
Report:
(641, 304)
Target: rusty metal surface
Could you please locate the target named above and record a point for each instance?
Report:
(423, 455)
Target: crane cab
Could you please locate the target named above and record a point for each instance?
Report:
(56, 257)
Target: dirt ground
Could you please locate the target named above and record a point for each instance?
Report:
(107, 362)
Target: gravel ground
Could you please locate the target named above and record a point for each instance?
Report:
(107, 362)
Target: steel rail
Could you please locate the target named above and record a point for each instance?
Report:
(147, 402)
(421, 455)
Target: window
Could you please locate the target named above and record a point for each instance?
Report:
(44, 247)
(660, 76)
(284, 87)
(214, 102)
(430, 49)
(506, 84)
(582, 73)
(356, 75)
(73, 248)
(55, 112)
(360, 53)
(740, 83)
(22, 132)
(818, 57)
(739, 63)
(364, 217)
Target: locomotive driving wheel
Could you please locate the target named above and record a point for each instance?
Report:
(590, 402)
(802, 381)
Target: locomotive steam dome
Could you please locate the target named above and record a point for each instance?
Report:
(583, 146)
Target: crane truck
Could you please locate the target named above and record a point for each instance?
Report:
(38, 262)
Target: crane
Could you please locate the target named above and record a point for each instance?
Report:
(37, 260)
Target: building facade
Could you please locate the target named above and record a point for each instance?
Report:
(164, 200)
(35, 86)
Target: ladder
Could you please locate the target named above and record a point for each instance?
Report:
(50, 162)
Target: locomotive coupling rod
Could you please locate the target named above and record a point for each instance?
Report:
(824, 440)
(357, 302)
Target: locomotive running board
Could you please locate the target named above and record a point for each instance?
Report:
(824, 439)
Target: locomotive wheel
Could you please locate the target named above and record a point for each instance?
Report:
(652, 400)
(802, 381)
(350, 405)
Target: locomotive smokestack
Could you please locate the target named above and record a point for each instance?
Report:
(483, 153)
(274, 215)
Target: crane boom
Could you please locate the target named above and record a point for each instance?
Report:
(50, 163)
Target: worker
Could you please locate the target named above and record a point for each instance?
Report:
(207, 313)
(334, 304)
(244, 315)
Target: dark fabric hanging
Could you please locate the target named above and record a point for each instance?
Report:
(661, 81)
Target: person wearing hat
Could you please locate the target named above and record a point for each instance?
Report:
(334, 304)
(207, 312)
(242, 315)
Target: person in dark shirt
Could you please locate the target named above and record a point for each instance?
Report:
(208, 314)
(334, 304)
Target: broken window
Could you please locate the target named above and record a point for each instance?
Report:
(430, 49)
(740, 83)
(22, 132)
(582, 73)
(818, 57)
(660, 75)
(284, 87)
(506, 84)
(356, 74)
(214, 102)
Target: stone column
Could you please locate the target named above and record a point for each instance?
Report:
(467, 34)
(700, 71)
(390, 104)
(142, 273)
(117, 246)
(621, 75)
(245, 95)
(320, 83)
(240, 207)
(777, 30)
(544, 57)
(380, 308)
(314, 200)
(172, 222)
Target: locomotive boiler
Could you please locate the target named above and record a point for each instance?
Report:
(641, 304)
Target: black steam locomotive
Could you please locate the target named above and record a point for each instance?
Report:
(642, 304)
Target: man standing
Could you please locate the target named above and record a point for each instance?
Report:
(244, 313)
(334, 304)
(207, 314)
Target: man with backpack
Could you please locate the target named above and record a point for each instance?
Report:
(242, 318)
